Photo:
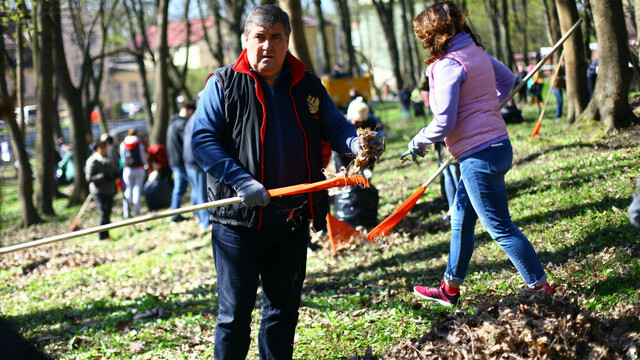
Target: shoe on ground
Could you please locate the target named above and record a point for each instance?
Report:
(544, 289)
(437, 294)
(177, 219)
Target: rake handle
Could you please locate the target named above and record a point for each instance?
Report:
(287, 190)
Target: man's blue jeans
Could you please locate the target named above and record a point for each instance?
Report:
(198, 181)
(179, 187)
(557, 93)
(276, 256)
(482, 193)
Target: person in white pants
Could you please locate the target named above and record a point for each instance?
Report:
(132, 151)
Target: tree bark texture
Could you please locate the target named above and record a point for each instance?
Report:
(490, 9)
(234, 9)
(28, 213)
(344, 13)
(610, 102)
(385, 14)
(503, 25)
(80, 137)
(325, 63)
(575, 61)
(45, 148)
(407, 28)
(161, 92)
(297, 42)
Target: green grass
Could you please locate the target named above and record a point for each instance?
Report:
(150, 293)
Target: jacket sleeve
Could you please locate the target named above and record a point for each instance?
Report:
(336, 130)
(91, 172)
(207, 137)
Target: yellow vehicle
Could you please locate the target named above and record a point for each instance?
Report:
(338, 89)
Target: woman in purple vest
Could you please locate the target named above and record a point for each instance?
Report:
(466, 88)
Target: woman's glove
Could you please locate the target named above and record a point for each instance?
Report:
(252, 192)
(414, 151)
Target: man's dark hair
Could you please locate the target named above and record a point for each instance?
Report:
(267, 16)
(189, 105)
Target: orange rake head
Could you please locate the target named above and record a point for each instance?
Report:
(348, 180)
(384, 228)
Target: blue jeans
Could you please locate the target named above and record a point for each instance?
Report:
(276, 256)
(179, 187)
(450, 175)
(482, 193)
(557, 93)
(198, 181)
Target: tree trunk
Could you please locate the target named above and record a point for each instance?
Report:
(553, 29)
(344, 13)
(520, 19)
(216, 52)
(72, 96)
(610, 102)
(28, 213)
(385, 14)
(407, 28)
(575, 60)
(325, 65)
(503, 25)
(298, 43)
(490, 9)
(588, 28)
(45, 148)
(234, 9)
(161, 92)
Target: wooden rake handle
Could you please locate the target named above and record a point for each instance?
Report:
(288, 190)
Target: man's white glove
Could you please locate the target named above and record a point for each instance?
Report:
(252, 192)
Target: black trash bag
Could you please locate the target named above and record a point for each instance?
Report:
(357, 206)
(157, 192)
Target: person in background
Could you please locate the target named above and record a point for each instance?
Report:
(467, 86)
(133, 155)
(336, 72)
(592, 76)
(521, 73)
(259, 125)
(557, 88)
(404, 94)
(175, 144)
(101, 174)
(197, 177)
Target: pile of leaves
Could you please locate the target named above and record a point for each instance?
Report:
(528, 327)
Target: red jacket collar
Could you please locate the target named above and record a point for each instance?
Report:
(297, 67)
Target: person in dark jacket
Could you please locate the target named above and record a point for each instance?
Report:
(197, 177)
(175, 144)
(101, 174)
(259, 125)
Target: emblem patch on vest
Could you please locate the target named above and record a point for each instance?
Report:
(314, 104)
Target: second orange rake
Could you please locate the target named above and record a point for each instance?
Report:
(384, 228)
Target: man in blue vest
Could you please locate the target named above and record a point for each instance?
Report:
(258, 126)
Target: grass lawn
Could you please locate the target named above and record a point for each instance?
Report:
(150, 292)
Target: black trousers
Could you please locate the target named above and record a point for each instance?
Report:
(105, 202)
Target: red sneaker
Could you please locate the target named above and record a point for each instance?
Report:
(437, 294)
(544, 289)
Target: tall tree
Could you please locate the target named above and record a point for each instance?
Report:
(346, 42)
(554, 32)
(385, 14)
(72, 95)
(161, 90)
(28, 213)
(491, 10)
(519, 11)
(407, 28)
(134, 9)
(609, 102)
(215, 46)
(503, 26)
(234, 9)
(297, 42)
(325, 66)
(575, 60)
(45, 148)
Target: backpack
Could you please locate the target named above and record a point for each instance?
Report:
(132, 154)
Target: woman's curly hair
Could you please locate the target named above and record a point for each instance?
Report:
(437, 25)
